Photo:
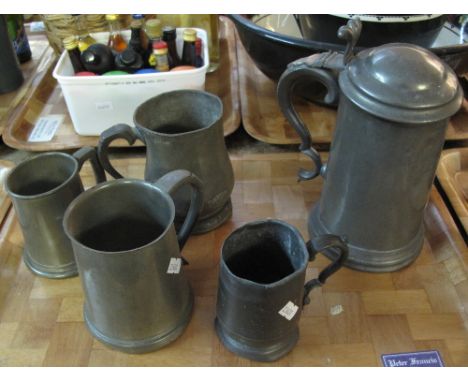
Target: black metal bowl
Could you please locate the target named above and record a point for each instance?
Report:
(377, 30)
(273, 51)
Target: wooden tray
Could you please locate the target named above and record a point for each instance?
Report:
(263, 120)
(45, 97)
(33, 72)
(261, 115)
(452, 173)
(419, 308)
(5, 201)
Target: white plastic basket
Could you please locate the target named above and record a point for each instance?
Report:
(96, 103)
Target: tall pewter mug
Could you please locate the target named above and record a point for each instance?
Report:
(182, 129)
(137, 298)
(261, 289)
(394, 104)
(41, 189)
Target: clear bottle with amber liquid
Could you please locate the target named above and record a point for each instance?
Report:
(116, 41)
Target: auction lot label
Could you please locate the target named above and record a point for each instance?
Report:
(429, 358)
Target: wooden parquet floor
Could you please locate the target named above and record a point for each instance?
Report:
(354, 319)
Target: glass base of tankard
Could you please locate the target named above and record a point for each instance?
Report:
(370, 260)
(213, 221)
(262, 351)
(51, 272)
(145, 345)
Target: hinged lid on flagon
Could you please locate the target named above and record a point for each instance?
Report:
(402, 83)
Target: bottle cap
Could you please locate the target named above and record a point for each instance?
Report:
(159, 45)
(153, 28)
(70, 43)
(147, 71)
(112, 17)
(85, 74)
(169, 33)
(115, 73)
(128, 56)
(182, 68)
(190, 34)
(138, 17)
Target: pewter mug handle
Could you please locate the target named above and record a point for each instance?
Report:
(318, 245)
(89, 153)
(322, 68)
(120, 130)
(170, 183)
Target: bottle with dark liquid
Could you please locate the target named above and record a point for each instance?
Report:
(71, 45)
(140, 20)
(116, 41)
(135, 39)
(198, 53)
(18, 37)
(188, 52)
(169, 36)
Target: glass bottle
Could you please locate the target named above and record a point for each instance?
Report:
(208, 22)
(198, 53)
(71, 45)
(82, 33)
(188, 51)
(140, 19)
(116, 41)
(169, 36)
(128, 61)
(18, 37)
(160, 52)
(98, 58)
(153, 31)
(135, 38)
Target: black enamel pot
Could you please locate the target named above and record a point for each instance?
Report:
(272, 51)
(377, 30)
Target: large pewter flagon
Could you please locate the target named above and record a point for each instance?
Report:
(394, 102)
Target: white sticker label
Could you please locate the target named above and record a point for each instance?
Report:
(174, 265)
(289, 310)
(107, 105)
(45, 128)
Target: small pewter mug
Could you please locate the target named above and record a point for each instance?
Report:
(394, 105)
(182, 129)
(41, 189)
(137, 298)
(261, 290)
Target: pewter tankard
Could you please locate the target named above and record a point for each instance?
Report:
(137, 298)
(262, 288)
(394, 102)
(182, 129)
(41, 189)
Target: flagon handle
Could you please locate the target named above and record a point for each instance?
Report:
(320, 68)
